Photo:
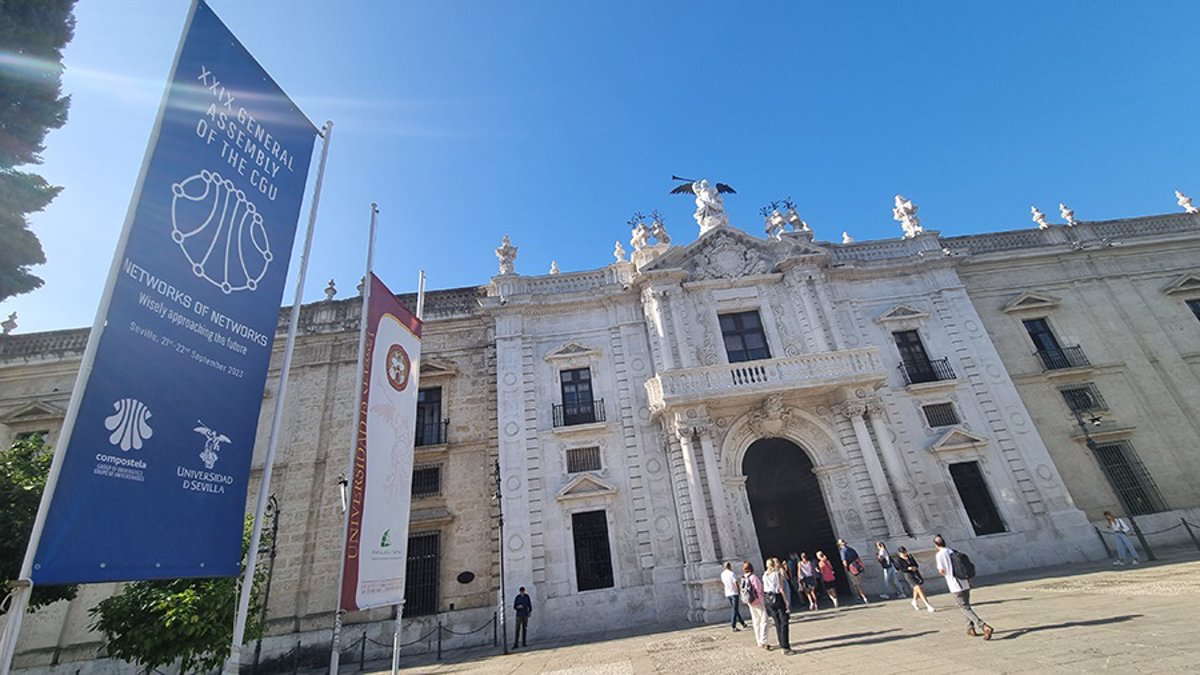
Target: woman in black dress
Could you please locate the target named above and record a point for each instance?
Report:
(908, 564)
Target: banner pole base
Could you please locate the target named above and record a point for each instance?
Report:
(21, 590)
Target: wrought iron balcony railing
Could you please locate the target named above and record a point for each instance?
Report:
(919, 372)
(581, 412)
(432, 433)
(1063, 357)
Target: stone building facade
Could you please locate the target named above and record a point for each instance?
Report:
(609, 438)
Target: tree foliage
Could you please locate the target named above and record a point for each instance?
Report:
(32, 36)
(156, 623)
(23, 469)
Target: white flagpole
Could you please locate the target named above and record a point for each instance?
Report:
(23, 586)
(335, 654)
(416, 376)
(233, 663)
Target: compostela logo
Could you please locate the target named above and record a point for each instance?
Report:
(130, 425)
(220, 232)
(212, 444)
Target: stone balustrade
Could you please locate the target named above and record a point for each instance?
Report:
(813, 372)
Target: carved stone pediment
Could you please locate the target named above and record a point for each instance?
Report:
(901, 313)
(1186, 284)
(724, 253)
(1032, 300)
(571, 350)
(586, 485)
(434, 368)
(770, 417)
(957, 438)
(36, 411)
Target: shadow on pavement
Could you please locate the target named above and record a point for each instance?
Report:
(869, 641)
(1013, 635)
(852, 636)
(999, 602)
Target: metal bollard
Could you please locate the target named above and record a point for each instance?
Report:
(1142, 538)
(496, 635)
(439, 633)
(296, 659)
(1190, 533)
(362, 653)
(1107, 550)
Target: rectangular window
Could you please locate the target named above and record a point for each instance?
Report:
(578, 405)
(421, 574)
(744, 337)
(431, 429)
(1194, 305)
(976, 499)
(1083, 398)
(914, 360)
(1129, 479)
(593, 559)
(1053, 355)
(427, 480)
(940, 414)
(583, 459)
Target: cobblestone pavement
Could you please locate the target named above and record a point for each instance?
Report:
(1087, 619)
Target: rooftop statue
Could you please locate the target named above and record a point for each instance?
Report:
(710, 206)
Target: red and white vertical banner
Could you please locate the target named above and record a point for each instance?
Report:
(381, 484)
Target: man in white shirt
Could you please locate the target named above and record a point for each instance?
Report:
(1120, 529)
(729, 581)
(960, 588)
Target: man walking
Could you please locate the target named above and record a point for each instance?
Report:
(729, 580)
(854, 568)
(1120, 529)
(959, 583)
(524, 607)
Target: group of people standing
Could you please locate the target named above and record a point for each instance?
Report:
(788, 583)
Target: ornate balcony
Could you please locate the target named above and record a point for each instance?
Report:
(1062, 358)
(920, 372)
(809, 372)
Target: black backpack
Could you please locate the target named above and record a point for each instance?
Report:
(961, 565)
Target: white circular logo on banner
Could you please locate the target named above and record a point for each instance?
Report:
(220, 232)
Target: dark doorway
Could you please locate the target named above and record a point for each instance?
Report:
(787, 505)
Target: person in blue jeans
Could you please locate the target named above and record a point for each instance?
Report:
(524, 607)
(730, 582)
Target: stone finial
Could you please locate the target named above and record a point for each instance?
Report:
(507, 255)
(641, 237)
(1067, 215)
(796, 221)
(1186, 202)
(1039, 218)
(658, 230)
(775, 224)
(619, 252)
(361, 282)
(9, 324)
(846, 238)
(330, 291)
(553, 267)
(905, 213)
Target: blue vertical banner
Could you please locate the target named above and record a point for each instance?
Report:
(156, 467)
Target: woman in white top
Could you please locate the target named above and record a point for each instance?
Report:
(808, 580)
(1120, 529)
(775, 596)
(751, 589)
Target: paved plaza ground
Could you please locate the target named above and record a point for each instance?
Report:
(1085, 619)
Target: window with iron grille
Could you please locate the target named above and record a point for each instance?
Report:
(583, 459)
(427, 480)
(744, 337)
(593, 559)
(421, 574)
(1129, 479)
(1083, 398)
(940, 414)
(1194, 305)
(976, 499)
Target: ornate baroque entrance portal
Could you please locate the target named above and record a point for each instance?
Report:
(786, 502)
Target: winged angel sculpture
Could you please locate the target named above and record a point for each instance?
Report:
(710, 206)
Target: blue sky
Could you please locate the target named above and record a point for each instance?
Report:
(554, 121)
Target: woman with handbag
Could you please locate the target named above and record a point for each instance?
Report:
(808, 580)
(775, 596)
(908, 564)
(751, 591)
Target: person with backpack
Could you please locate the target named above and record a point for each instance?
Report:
(891, 578)
(730, 582)
(958, 570)
(750, 591)
(854, 568)
(1120, 529)
(777, 602)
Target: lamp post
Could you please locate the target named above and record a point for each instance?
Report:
(273, 511)
(500, 550)
(1091, 445)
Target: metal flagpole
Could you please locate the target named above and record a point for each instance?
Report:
(22, 587)
(336, 655)
(416, 383)
(233, 663)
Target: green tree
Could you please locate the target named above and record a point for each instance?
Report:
(32, 36)
(23, 469)
(155, 623)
